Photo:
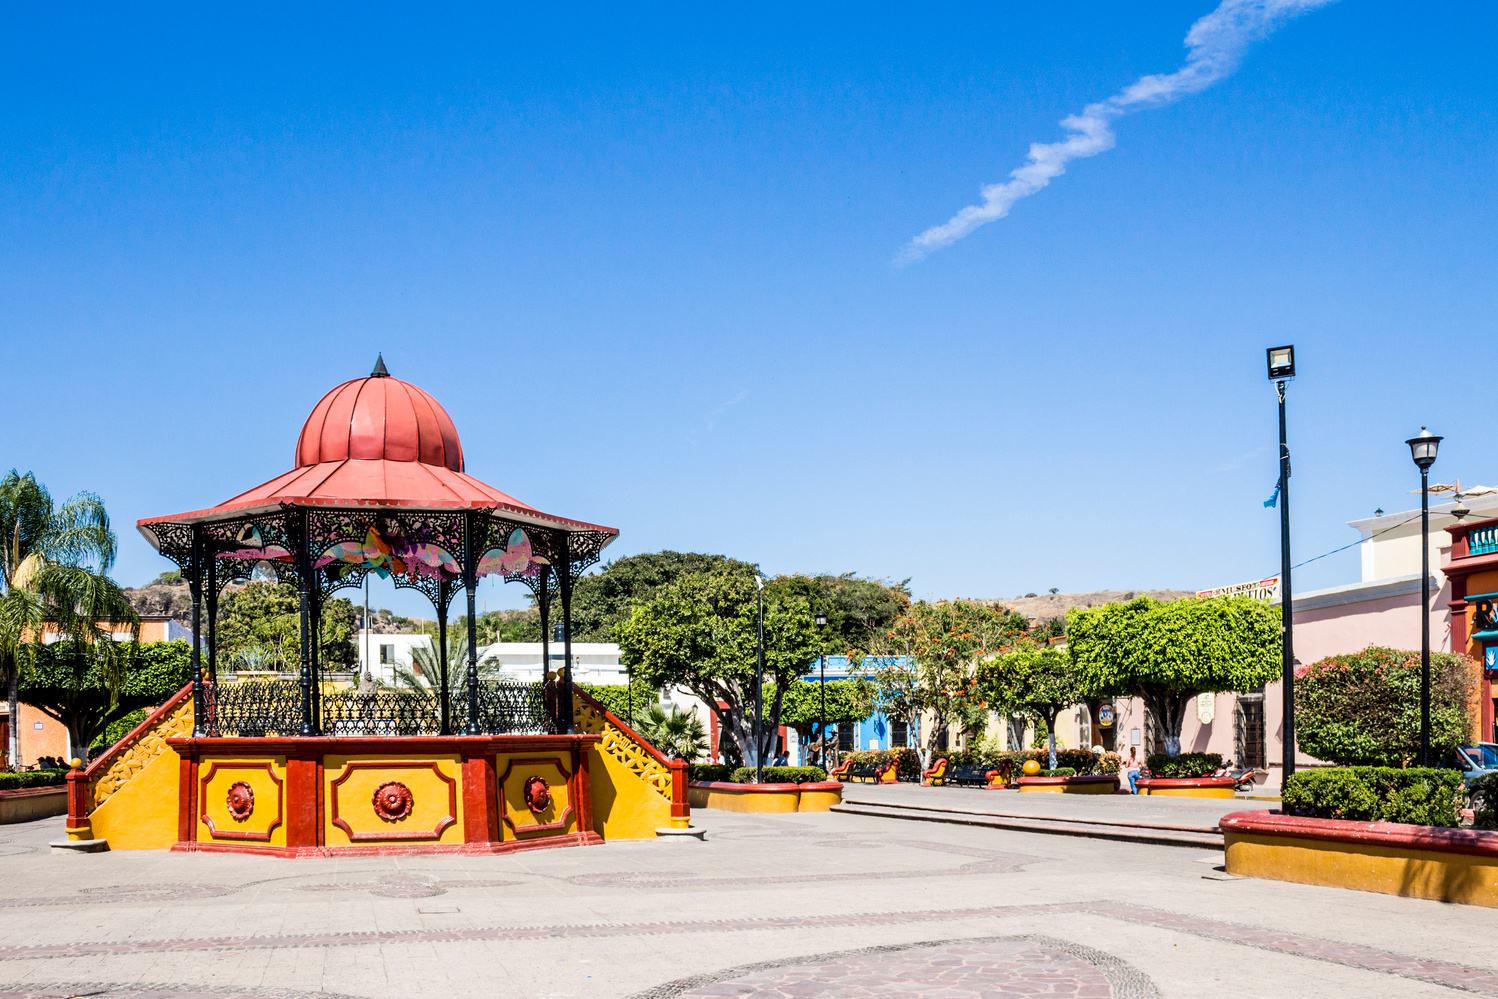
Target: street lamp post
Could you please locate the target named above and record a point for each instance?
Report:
(1423, 451)
(822, 727)
(759, 682)
(1282, 369)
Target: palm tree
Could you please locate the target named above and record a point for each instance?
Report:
(54, 564)
(678, 734)
(427, 673)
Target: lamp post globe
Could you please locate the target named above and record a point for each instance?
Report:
(1423, 448)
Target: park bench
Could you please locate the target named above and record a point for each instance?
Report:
(866, 770)
(970, 775)
(936, 774)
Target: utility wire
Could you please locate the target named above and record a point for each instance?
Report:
(1370, 537)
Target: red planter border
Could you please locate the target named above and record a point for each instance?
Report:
(1166, 783)
(1082, 779)
(1477, 842)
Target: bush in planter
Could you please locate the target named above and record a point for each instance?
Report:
(1184, 766)
(1058, 772)
(1082, 761)
(781, 775)
(1417, 796)
(710, 772)
(32, 778)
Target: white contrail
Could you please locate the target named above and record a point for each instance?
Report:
(1214, 46)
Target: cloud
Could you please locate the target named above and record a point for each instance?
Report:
(1215, 45)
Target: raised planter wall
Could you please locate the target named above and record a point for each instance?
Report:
(1447, 865)
(764, 798)
(1188, 787)
(1093, 784)
(27, 803)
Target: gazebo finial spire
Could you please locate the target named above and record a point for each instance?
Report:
(379, 368)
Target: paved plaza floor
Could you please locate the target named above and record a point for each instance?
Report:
(805, 905)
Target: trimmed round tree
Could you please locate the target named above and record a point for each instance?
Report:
(1363, 709)
(1041, 680)
(67, 682)
(1166, 653)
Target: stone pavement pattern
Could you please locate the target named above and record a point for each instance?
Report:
(816, 906)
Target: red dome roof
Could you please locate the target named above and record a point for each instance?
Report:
(379, 417)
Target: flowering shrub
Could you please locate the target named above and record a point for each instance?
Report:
(1363, 709)
(1083, 761)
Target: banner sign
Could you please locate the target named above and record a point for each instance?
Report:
(1263, 589)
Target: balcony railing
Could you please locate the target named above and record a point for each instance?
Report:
(1482, 540)
(259, 708)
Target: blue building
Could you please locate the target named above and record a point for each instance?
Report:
(876, 731)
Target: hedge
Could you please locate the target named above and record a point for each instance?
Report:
(1183, 766)
(32, 778)
(781, 775)
(1058, 772)
(721, 772)
(1417, 796)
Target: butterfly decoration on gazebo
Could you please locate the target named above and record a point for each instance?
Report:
(396, 557)
(254, 547)
(515, 559)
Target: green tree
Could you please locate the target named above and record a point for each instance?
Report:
(603, 599)
(66, 681)
(1363, 709)
(54, 565)
(856, 608)
(628, 703)
(699, 633)
(925, 663)
(260, 625)
(1039, 680)
(1166, 653)
(847, 701)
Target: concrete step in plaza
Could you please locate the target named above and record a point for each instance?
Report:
(1197, 836)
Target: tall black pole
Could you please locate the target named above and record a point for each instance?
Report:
(1287, 665)
(1425, 617)
(195, 581)
(543, 603)
(823, 760)
(565, 687)
(759, 684)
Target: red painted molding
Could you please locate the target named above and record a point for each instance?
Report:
(478, 824)
(1478, 842)
(354, 765)
(393, 850)
(308, 746)
(720, 785)
(37, 792)
(304, 829)
(203, 782)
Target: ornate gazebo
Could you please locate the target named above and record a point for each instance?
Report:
(379, 486)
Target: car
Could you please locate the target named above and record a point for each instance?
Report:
(1473, 761)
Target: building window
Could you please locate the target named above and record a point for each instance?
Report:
(845, 736)
(387, 654)
(900, 734)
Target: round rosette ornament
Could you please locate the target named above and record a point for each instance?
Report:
(537, 794)
(393, 801)
(241, 800)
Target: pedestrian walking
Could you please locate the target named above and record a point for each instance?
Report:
(1131, 768)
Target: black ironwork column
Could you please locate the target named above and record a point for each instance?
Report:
(564, 580)
(444, 598)
(304, 581)
(470, 583)
(1424, 615)
(195, 584)
(314, 607)
(212, 598)
(543, 604)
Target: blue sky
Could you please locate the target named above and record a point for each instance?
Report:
(646, 260)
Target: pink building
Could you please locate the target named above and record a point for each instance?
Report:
(1381, 609)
